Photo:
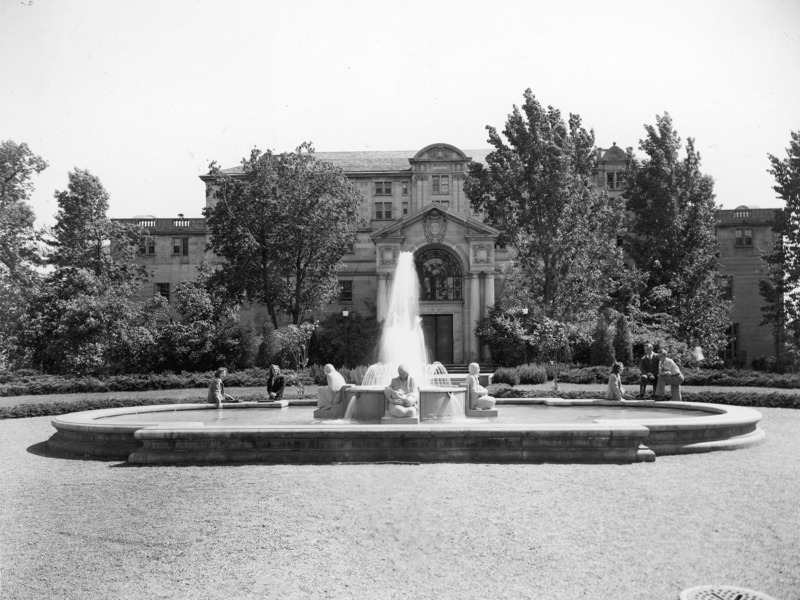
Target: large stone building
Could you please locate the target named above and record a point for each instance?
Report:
(414, 201)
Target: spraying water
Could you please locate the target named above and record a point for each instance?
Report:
(403, 341)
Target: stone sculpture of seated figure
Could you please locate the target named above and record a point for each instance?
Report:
(401, 395)
(328, 397)
(478, 395)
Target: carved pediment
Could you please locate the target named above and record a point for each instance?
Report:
(615, 153)
(435, 220)
(439, 152)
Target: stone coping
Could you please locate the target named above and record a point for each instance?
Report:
(724, 415)
(721, 428)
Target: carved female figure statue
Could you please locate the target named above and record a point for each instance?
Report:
(478, 396)
(327, 396)
(401, 395)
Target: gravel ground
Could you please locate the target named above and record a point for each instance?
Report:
(99, 530)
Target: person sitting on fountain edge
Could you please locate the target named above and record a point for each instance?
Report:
(275, 384)
(401, 395)
(478, 396)
(216, 390)
(327, 396)
(614, 391)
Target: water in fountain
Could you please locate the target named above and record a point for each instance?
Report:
(403, 341)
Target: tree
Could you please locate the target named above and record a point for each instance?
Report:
(19, 243)
(781, 288)
(623, 341)
(81, 324)
(672, 240)
(282, 225)
(603, 341)
(84, 237)
(87, 318)
(208, 334)
(345, 341)
(536, 190)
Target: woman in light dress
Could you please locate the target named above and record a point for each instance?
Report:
(327, 397)
(614, 391)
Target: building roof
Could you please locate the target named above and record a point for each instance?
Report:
(378, 161)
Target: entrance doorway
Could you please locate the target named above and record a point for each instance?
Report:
(438, 331)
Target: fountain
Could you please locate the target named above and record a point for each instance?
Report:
(529, 430)
(402, 342)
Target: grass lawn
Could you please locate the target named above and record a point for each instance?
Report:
(101, 530)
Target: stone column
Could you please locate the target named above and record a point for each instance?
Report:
(381, 297)
(474, 314)
(488, 302)
(488, 291)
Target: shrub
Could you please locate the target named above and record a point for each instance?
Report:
(355, 375)
(269, 347)
(531, 374)
(773, 400)
(623, 341)
(509, 375)
(602, 342)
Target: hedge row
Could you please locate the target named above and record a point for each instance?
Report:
(38, 384)
(771, 400)
(22, 383)
(540, 373)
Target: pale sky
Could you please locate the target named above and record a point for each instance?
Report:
(145, 94)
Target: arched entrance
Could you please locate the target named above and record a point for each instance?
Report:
(441, 285)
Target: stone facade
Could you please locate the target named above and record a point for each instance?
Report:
(743, 234)
(414, 201)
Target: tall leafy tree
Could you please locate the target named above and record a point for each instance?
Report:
(282, 224)
(19, 242)
(781, 289)
(84, 237)
(672, 238)
(535, 188)
(87, 317)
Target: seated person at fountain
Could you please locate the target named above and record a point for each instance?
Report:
(328, 397)
(668, 374)
(479, 398)
(614, 391)
(275, 384)
(401, 395)
(216, 391)
(648, 367)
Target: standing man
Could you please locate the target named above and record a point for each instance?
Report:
(668, 373)
(648, 367)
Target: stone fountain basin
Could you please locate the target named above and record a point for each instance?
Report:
(717, 427)
(370, 402)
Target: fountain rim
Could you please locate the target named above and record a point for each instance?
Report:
(715, 415)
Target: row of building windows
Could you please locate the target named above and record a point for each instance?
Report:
(384, 188)
(180, 246)
(440, 184)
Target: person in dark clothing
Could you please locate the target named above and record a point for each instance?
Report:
(275, 383)
(649, 370)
